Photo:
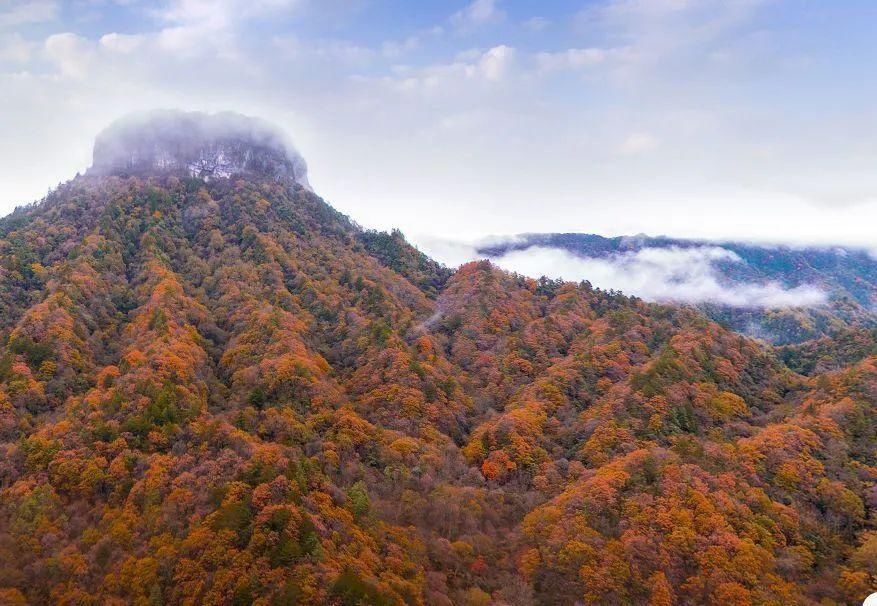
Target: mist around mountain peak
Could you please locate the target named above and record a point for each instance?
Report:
(201, 144)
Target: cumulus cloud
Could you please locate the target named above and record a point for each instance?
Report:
(674, 274)
(122, 43)
(70, 52)
(495, 62)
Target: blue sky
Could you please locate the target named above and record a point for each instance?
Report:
(751, 119)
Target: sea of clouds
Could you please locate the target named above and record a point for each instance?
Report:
(689, 275)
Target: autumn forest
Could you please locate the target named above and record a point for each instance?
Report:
(225, 392)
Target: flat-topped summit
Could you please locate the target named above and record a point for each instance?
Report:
(198, 144)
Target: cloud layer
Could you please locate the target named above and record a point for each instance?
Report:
(686, 275)
(674, 274)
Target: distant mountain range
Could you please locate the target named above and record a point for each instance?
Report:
(846, 276)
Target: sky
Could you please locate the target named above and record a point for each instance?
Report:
(455, 120)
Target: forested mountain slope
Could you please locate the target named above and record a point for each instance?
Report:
(222, 391)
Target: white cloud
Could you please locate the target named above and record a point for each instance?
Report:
(536, 24)
(478, 13)
(16, 13)
(71, 53)
(496, 62)
(122, 43)
(198, 26)
(674, 274)
(397, 48)
(705, 19)
(198, 12)
(638, 143)
(221, 13)
(336, 53)
(573, 58)
(452, 253)
(14, 48)
(649, 33)
(661, 274)
(490, 66)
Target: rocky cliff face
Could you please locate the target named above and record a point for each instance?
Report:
(201, 145)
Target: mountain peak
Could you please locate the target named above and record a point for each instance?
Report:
(199, 144)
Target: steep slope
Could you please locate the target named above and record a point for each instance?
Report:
(221, 391)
